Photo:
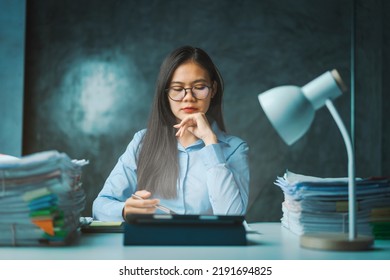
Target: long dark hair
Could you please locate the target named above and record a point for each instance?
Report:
(158, 166)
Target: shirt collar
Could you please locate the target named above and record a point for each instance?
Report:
(221, 136)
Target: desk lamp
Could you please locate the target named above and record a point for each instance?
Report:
(290, 110)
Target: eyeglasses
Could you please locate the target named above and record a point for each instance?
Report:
(177, 93)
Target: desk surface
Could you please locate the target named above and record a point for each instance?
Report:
(273, 243)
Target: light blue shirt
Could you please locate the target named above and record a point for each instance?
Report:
(213, 179)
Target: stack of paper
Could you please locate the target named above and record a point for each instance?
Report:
(321, 204)
(41, 199)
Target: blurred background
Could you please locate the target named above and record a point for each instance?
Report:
(79, 77)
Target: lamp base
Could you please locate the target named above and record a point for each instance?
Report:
(336, 242)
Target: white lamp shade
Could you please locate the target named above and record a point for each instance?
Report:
(288, 110)
(291, 109)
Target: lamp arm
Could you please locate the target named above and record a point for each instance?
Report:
(351, 170)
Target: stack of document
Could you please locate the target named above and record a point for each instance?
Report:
(41, 199)
(380, 221)
(315, 204)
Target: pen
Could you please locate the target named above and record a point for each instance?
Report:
(158, 206)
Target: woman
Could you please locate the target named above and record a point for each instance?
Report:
(184, 160)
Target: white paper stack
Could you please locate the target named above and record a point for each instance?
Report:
(315, 204)
(41, 199)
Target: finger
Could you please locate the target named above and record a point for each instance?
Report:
(186, 128)
(180, 132)
(190, 126)
(189, 120)
(136, 210)
(147, 203)
(143, 193)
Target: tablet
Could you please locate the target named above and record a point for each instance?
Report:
(184, 219)
(152, 229)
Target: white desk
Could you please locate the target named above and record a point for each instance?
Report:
(273, 243)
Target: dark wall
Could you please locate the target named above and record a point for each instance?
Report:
(12, 35)
(91, 67)
(370, 116)
(386, 91)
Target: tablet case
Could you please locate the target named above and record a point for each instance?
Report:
(151, 229)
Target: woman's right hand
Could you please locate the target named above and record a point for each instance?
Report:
(140, 206)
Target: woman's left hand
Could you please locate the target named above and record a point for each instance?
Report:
(198, 125)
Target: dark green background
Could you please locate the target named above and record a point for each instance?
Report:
(91, 67)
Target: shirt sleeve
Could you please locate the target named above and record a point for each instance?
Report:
(120, 184)
(227, 177)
